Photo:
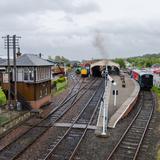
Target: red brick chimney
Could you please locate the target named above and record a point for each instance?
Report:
(18, 53)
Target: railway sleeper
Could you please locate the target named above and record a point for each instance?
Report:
(120, 156)
(129, 148)
(76, 133)
(83, 121)
(129, 143)
(131, 140)
(125, 151)
(143, 116)
(135, 132)
(140, 124)
(137, 127)
(134, 137)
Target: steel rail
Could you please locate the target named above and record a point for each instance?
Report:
(34, 126)
(145, 130)
(85, 131)
(71, 127)
(65, 100)
(48, 127)
(128, 128)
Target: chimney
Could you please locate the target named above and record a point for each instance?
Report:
(40, 55)
(18, 53)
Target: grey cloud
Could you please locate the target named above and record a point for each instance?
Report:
(127, 38)
(32, 6)
(121, 37)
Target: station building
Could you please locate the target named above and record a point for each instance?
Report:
(97, 68)
(33, 80)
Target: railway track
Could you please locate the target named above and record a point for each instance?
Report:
(65, 147)
(19, 145)
(74, 90)
(128, 146)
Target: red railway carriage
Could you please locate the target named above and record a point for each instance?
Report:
(144, 78)
(135, 75)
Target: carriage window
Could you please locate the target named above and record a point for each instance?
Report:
(147, 76)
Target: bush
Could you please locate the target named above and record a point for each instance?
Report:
(3, 99)
(59, 80)
(156, 90)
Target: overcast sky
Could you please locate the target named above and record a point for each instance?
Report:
(82, 29)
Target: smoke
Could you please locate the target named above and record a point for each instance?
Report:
(99, 43)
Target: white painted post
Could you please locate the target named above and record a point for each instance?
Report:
(104, 117)
(115, 97)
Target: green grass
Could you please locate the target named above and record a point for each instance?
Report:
(3, 119)
(59, 92)
(158, 154)
(156, 90)
(60, 86)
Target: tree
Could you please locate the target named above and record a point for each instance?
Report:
(58, 58)
(121, 62)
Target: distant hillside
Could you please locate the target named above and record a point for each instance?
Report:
(157, 55)
(152, 55)
(146, 60)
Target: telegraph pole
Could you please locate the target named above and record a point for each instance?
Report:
(12, 42)
(9, 71)
(15, 69)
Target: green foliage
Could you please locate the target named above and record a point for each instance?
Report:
(59, 80)
(121, 62)
(145, 61)
(3, 99)
(156, 90)
(68, 65)
(61, 85)
(59, 59)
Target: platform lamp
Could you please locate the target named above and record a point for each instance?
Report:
(105, 102)
(104, 131)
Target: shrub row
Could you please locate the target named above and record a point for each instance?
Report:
(3, 99)
(59, 80)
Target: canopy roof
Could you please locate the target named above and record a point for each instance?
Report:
(104, 63)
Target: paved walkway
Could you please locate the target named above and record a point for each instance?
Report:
(125, 107)
(125, 96)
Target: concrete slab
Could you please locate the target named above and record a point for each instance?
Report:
(124, 107)
(125, 96)
(81, 126)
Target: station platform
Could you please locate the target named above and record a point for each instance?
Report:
(125, 100)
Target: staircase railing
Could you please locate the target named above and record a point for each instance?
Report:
(25, 104)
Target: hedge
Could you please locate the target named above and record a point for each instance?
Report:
(59, 80)
(3, 99)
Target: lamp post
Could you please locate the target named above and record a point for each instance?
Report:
(105, 104)
(108, 81)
